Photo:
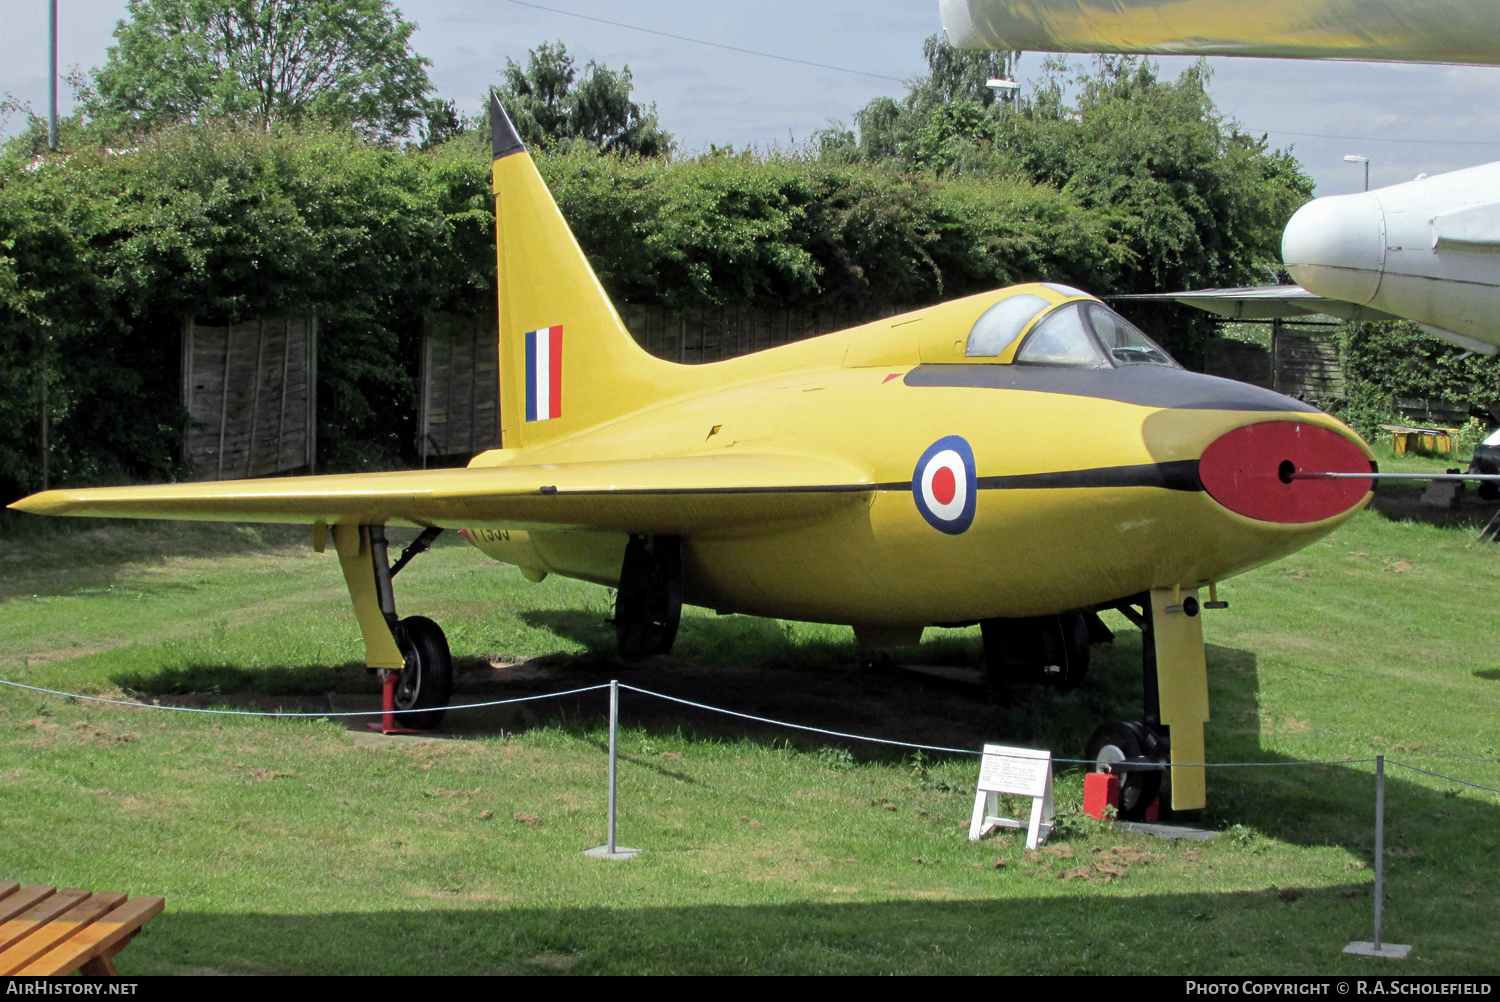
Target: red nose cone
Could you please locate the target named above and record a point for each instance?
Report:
(1248, 470)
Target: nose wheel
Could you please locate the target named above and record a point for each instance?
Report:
(1137, 755)
(1174, 684)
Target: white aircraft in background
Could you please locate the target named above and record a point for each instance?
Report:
(1426, 250)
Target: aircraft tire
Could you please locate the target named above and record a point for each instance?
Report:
(648, 604)
(1053, 650)
(999, 670)
(427, 680)
(1118, 745)
(1069, 632)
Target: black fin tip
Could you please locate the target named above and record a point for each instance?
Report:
(502, 133)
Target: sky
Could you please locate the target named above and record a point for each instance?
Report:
(1407, 119)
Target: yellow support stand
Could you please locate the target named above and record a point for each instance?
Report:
(353, 545)
(1182, 680)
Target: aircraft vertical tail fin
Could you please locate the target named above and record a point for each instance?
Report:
(567, 361)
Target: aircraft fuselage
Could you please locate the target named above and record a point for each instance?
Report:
(1089, 484)
(1427, 250)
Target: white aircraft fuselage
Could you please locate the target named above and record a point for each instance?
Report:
(1427, 250)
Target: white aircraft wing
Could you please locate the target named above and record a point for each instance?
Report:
(1265, 302)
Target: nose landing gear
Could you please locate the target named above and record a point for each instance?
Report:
(1175, 689)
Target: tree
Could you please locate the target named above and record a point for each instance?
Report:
(443, 123)
(887, 130)
(959, 74)
(1196, 199)
(265, 61)
(1192, 200)
(551, 104)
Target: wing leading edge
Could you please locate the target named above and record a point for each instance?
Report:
(687, 494)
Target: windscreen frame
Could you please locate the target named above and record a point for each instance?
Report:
(1105, 355)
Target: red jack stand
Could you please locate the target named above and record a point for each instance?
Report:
(389, 679)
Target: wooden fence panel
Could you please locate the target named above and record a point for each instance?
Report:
(1434, 413)
(460, 384)
(1248, 363)
(1307, 364)
(1302, 362)
(250, 392)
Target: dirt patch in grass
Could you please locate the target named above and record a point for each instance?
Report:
(1403, 503)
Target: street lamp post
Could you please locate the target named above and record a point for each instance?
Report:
(1004, 89)
(1356, 159)
(52, 77)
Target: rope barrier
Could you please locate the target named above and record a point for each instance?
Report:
(805, 727)
(959, 751)
(731, 713)
(1439, 775)
(278, 713)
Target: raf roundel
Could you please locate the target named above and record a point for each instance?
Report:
(943, 485)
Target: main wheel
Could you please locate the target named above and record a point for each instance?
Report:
(427, 679)
(1123, 749)
(1050, 649)
(648, 604)
(1066, 645)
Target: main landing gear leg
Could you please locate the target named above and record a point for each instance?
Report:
(648, 605)
(411, 654)
(1175, 687)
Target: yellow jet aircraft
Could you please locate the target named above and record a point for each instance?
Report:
(1020, 459)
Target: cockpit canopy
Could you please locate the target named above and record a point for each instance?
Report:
(1025, 328)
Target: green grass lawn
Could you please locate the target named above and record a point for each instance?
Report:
(307, 847)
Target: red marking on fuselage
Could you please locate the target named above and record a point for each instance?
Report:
(887, 379)
(943, 485)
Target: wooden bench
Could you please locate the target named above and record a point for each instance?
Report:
(1404, 439)
(45, 931)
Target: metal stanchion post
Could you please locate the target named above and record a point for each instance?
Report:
(610, 850)
(1376, 948)
(614, 770)
(1379, 844)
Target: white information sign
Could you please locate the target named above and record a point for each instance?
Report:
(1024, 772)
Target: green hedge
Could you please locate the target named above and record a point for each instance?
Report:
(1394, 360)
(742, 230)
